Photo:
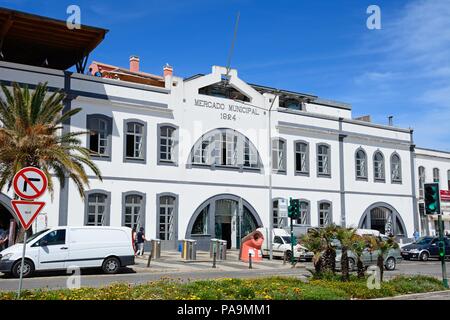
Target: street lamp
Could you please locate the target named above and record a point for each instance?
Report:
(270, 176)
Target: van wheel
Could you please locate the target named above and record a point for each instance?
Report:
(28, 268)
(111, 265)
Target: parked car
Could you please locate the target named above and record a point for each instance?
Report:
(369, 258)
(109, 248)
(424, 249)
(281, 245)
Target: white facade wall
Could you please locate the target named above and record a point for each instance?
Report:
(176, 105)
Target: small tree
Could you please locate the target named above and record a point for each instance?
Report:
(383, 247)
(313, 242)
(345, 237)
(359, 244)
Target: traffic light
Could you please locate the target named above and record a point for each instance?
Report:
(294, 208)
(432, 199)
(441, 249)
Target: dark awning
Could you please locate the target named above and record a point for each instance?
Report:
(40, 41)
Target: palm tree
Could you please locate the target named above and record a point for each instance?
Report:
(313, 242)
(359, 244)
(345, 237)
(30, 135)
(383, 247)
(328, 235)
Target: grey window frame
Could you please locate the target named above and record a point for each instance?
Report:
(321, 174)
(277, 209)
(308, 212)
(375, 179)
(211, 156)
(174, 151)
(307, 156)
(276, 141)
(142, 160)
(107, 213)
(330, 213)
(109, 122)
(436, 170)
(359, 177)
(400, 179)
(175, 213)
(143, 205)
(421, 180)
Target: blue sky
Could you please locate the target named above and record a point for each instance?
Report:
(317, 46)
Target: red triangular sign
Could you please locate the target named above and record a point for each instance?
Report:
(27, 211)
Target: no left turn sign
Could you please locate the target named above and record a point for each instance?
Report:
(30, 183)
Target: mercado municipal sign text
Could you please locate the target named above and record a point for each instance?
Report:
(228, 111)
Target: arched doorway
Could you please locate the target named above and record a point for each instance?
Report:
(385, 218)
(7, 217)
(227, 217)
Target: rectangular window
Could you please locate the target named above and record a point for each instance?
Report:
(323, 160)
(96, 209)
(279, 156)
(166, 218)
(166, 144)
(324, 214)
(301, 157)
(134, 140)
(98, 136)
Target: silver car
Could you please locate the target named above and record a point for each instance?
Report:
(368, 258)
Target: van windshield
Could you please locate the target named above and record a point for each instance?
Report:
(34, 236)
(287, 239)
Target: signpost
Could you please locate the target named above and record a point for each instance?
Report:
(433, 207)
(29, 184)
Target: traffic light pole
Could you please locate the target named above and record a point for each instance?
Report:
(442, 243)
(292, 241)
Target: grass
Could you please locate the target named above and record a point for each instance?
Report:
(276, 288)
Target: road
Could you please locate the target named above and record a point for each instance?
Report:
(94, 278)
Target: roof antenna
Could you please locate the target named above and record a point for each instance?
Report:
(226, 78)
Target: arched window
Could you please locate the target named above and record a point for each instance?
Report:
(225, 148)
(396, 168)
(279, 155)
(167, 144)
(97, 208)
(323, 160)
(378, 166)
(325, 217)
(133, 210)
(134, 140)
(361, 164)
(301, 157)
(436, 175)
(421, 181)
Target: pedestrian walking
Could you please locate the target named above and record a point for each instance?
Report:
(140, 237)
(134, 236)
(416, 235)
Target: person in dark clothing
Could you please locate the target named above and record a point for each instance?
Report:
(140, 239)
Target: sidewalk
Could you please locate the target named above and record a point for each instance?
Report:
(438, 295)
(171, 261)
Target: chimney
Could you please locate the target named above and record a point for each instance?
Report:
(134, 64)
(391, 120)
(168, 70)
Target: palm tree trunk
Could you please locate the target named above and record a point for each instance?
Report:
(380, 264)
(344, 265)
(360, 267)
(318, 266)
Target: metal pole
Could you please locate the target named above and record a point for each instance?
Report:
(441, 240)
(292, 242)
(22, 263)
(214, 254)
(270, 181)
(250, 260)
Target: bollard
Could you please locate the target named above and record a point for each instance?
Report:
(149, 259)
(214, 255)
(250, 260)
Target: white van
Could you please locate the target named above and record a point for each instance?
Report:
(281, 245)
(61, 247)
